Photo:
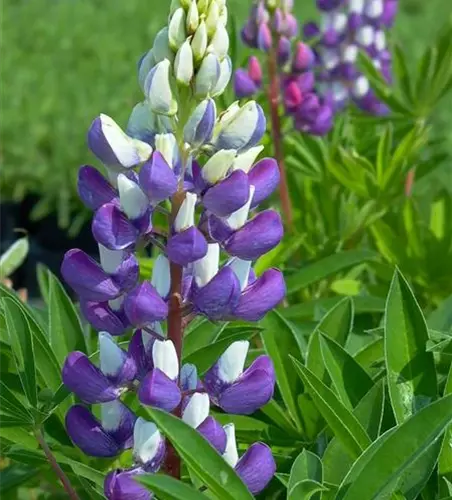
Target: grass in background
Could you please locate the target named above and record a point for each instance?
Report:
(65, 61)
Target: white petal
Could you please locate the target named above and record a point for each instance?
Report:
(340, 22)
(199, 41)
(158, 89)
(218, 165)
(365, 36)
(161, 279)
(166, 145)
(361, 87)
(161, 49)
(146, 440)
(230, 453)
(219, 44)
(380, 40)
(197, 410)
(242, 270)
(134, 202)
(110, 259)
(238, 218)
(111, 415)
(206, 268)
(183, 65)
(192, 17)
(185, 218)
(330, 58)
(356, 6)
(350, 54)
(208, 75)
(176, 29)
(212, 18)
(232, 361)
(111, 355)
(116, 304)
(374, 9)
(246, 160)
(340, 91)
(224, 77)
(165, 358)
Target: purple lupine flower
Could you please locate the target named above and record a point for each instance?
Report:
(236, 390)
(256, 467)
(206, 167)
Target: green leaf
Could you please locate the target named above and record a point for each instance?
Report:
(65, 329)
(336, 461)
(14, 257)
(371, 355)
(337, 324)
(15, 475)
(350, 380)
(21, 342)
(12, 406)
(280, 341)
(341, 421)
(205, 357)
(410, 368)
(169, 488)
(305, 490)
(201, 457)
(306, 466)
(445, 458)
(326, 267)
(203, 334)
(378, 469)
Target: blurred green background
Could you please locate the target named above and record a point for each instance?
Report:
(65, 61)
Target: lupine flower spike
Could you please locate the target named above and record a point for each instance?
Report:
(178, 149)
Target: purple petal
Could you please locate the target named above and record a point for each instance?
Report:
(141, 353)
(103, 318)
(214, 433)
(160, 391)
(220, 296)
(85, 276)
(113, 229)
(255, 70)
(244, 86)
(284, 49)
(86, 380)
(303, 58)
(143, 305)
(256, 467)
(127, 274)
(311, 30)
(228, 195)
(256, 237)
(94, 190)
(306, 81)
(264, 176)
(157, 179)
(216, 228)
(261, 296)
(121, 485)
(87, 433)
(187, 246)
(252, 390)
(198, 180)
(264, 37)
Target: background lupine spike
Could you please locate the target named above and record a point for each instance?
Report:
(206, 167)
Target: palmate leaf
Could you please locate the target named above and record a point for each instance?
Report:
(339, 418)
(377, 471)
(201, 457)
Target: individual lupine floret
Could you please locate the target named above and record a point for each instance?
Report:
(105, 438)
(99, 385)
(256, 466)
(248, 82)
(236, 390)
(148, 454)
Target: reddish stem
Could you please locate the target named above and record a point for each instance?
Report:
(175, 332)
(273, 98)
(55, 466)
(409, 182)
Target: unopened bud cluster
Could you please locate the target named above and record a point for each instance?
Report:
(180, 157)
(348, 26)
(271, 26)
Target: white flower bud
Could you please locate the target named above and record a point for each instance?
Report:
(134, 202)
(199, 41)
(161, 48)
(176, 29)
(224, 15)
(166, 145)
(246, 160)
(199, 127)
(158, 89)
(208, 75)
(238, 218)
(192, 18)
(175, 4)
(165, 359)
(203, 6)
(206, 268)
(225, 76)
(185, 218)
(183, 65)
(218, 165)
(212, 18)
(219, 44)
